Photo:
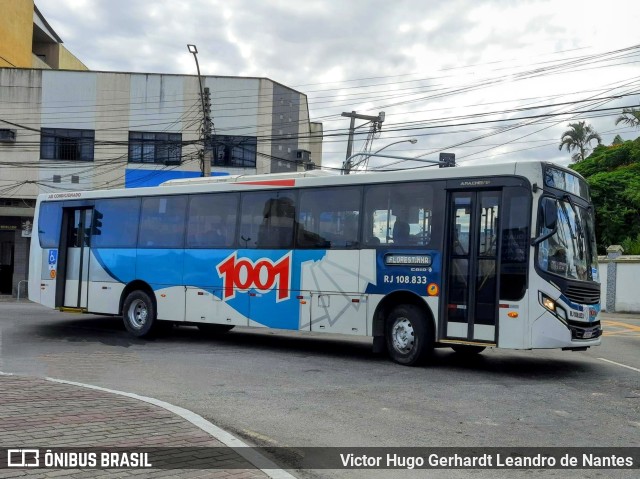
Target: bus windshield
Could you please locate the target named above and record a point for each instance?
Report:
(571, 251)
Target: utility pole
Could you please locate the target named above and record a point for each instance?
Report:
(205, 133)
(377, 124)
(350, 140)
(207, 137)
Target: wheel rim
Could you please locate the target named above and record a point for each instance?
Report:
(138, 314)
(402, 335)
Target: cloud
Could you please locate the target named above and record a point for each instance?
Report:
(368, 55)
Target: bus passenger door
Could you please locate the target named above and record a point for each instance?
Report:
(471, 296)
(73, 276)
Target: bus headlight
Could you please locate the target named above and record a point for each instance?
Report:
(555, 309)
(549, 303)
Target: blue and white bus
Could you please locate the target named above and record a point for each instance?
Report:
(469, 257)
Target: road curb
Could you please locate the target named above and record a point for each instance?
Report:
(240, 447)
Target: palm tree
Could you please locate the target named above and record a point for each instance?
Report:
(630, 116)
(617, 141)
(579, 138)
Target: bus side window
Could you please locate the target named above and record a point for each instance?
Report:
(212, 220)
(329, 218)
(120, 218)
(399, 214)
(49, 220)
(276, 230)
(162, 222)
(267, 219)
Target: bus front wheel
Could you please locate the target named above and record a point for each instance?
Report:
(139, 314)
(408, 335)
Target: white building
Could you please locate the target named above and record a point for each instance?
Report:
(79, 130)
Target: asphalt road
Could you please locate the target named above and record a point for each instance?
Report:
(295, 389)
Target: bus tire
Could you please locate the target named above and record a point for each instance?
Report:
(409, 335)
(214, 329)
(466, 350)
(139, 314)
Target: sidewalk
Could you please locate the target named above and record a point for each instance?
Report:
(36, 413)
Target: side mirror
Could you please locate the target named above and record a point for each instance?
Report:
(550, 213)
(549, 208)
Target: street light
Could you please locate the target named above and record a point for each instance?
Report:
(193, 49)
(205, 166)
(413, 141)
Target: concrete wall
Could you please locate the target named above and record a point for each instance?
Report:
(16, 33)
(68, 61)
(20, 103)
(39, 63)
(17, 46)
(49, 53)
(315, 143)
(264, 127)
(285, 129)
(619, 279)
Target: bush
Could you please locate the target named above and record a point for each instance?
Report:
(631, 246)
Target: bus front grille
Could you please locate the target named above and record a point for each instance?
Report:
(584, 294)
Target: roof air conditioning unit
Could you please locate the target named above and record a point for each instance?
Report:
(302, 156)
(7, 135)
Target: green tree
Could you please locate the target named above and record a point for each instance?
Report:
(579, 137)
(631, 245)
(617, 140)
(630, 116)
(613, 174)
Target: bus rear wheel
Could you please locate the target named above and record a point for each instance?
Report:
(139, 314)
(408, 335)
(215, 329)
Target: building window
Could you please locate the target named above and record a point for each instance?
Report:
(66, 144)
(234, 151)
(148, 147)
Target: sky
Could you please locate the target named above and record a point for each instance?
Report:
(488, 80)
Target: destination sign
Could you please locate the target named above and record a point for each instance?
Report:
(407, 260)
